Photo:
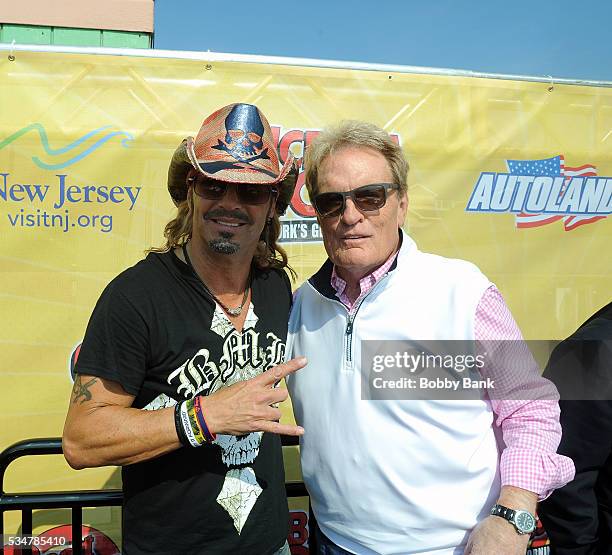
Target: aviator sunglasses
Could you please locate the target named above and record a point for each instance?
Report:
(247, 193)
(367, 199)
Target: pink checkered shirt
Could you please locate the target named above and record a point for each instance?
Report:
(365, 283)
(530, 429)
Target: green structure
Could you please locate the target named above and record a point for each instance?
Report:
(68, 36)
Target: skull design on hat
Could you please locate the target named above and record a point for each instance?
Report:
(243, 139)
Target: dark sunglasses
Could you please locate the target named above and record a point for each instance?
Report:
(367, 199)
(247, 193)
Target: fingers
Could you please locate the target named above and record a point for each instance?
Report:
(274, 395)
(285, 429)
(277, 373)
(271, 414)
(248, 405)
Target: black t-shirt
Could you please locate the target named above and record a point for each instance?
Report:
(157, 332)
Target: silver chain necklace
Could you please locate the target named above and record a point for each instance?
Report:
(231, 311)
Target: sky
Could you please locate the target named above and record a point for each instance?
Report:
(564, 38)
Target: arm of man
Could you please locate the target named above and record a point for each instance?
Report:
(530, 467)
(103, 429)
(496, 535)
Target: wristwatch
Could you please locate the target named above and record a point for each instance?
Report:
(523, 521)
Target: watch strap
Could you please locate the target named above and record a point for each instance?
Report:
(504, 512)
(511, 516)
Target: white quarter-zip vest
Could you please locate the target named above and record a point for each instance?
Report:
(393, 476)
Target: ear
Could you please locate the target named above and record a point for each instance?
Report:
(402, 208)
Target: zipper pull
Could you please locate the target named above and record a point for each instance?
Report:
(349, 327)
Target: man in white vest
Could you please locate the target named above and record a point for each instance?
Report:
(400, 476)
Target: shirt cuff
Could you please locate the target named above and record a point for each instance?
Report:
(540, 473)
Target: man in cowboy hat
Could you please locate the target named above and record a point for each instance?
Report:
(176, 374)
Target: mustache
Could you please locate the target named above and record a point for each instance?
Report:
(221, 212)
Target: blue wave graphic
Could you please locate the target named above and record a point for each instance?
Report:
(44, 141)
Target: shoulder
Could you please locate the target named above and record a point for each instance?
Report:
(307, 298)
(272, 289)
(434, 271)
(146, 279)
(271, 278)
(599, 328)
(153, 264)
(459, 268)
(412, 260)
(302, 290)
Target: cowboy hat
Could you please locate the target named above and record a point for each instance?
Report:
(235, 144)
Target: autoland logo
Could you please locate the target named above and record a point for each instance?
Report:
(540, 192)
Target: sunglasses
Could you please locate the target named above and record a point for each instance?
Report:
(247, 193)
(367, 199)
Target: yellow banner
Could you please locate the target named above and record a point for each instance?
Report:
(511, 175)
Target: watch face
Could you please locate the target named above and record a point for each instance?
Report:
(524, 521)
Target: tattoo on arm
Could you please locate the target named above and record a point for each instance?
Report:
(80, 390)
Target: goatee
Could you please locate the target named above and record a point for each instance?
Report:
(224, 245)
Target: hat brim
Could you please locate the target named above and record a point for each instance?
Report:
(184, 159)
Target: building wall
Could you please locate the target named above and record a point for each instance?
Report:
(119, 15)
(111, 23)
(27, 34)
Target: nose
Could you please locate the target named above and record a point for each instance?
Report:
(351, 214)
(230, 198)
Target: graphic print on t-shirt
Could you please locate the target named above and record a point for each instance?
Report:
(243, 357)
(239, 494)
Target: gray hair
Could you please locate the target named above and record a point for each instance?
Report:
(356, 134)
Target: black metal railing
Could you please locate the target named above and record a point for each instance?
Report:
(74, 500)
